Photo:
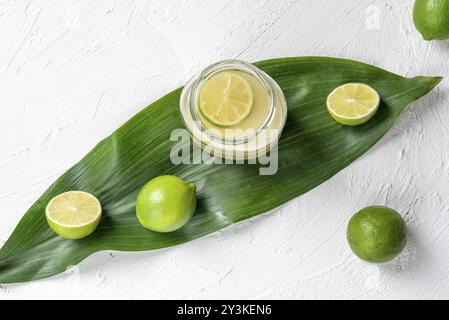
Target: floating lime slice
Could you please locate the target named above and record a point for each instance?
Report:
(226, 99)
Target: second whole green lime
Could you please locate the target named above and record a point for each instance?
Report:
(166, 204)
(431, 18)
(377, 234)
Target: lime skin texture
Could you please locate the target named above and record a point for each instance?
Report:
(74, 233)
(352, 122)
(166, 204)
(431, 18)
(377, 234)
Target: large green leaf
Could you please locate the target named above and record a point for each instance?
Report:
(313, 148)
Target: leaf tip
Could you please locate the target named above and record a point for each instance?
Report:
(434, 81)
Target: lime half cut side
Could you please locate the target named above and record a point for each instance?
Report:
(226, 99)
(73, 214)
(353, 104)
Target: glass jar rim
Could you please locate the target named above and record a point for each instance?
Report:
(239, 65)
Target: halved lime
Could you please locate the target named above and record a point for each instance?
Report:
(353, 103)
(226, 99)
(73, 214)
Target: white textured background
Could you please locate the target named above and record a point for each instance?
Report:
(73, 71)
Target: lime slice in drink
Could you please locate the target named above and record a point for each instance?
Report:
(226, 99)
(74, 214)
(353, 104)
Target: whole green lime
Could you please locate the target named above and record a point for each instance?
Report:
(377, 234)
(431, 18)
(166, 204)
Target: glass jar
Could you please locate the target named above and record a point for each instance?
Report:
(252, 145)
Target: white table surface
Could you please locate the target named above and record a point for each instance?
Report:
(73, 71)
